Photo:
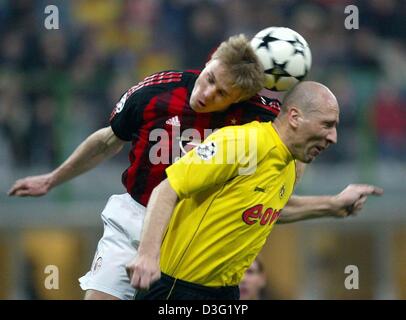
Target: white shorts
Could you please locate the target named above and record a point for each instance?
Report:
(123, 218)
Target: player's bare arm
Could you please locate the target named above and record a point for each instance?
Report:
(99, 146)
(144, 269)
(349, 202)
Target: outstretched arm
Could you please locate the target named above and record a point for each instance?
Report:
(99, 146)
(349, 202)
(145, 269)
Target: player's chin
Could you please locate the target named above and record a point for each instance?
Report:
(199, 109)
(310, 156)
(307, 159)
(203, 110)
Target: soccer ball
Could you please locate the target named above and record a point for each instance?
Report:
(285, 56)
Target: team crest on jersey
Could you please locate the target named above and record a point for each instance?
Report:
(282, 192)
(206, 151)
(120, 104)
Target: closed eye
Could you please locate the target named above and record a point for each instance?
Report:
(210, 79)
(330, 124)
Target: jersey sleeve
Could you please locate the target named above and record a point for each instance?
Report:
(227, 153)
(126, 116)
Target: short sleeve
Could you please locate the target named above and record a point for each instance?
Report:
(126, 117)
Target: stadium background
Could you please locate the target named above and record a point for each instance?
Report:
(58, 86)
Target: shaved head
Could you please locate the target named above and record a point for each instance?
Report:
(308, 120)
(309, 96)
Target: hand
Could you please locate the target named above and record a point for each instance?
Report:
(32, 186)
(352, 199)
(143, 271)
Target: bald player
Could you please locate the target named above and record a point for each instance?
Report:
(216, 214)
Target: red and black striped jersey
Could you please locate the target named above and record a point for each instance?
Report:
(156, 117)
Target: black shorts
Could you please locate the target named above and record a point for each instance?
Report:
(168, 288)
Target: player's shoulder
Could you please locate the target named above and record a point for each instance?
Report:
(262, 132)
(259, 108)
(163, 81)
(240, 132)
(259, 129)
(254, 135)
(263, 102)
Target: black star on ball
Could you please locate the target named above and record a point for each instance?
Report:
(267, 39)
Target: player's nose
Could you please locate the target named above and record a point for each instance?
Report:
(332, 136)
(209, 93)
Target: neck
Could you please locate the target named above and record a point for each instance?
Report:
(283, 134)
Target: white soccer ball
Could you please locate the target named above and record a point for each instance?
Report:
(285, 55)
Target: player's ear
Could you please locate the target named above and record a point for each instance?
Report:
(294, 116)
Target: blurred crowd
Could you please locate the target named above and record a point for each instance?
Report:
(57, 86)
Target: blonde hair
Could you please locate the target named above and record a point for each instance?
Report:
(245, 69)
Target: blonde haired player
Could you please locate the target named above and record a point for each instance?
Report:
(165, 100)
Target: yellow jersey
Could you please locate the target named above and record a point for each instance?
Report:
(231, 191)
